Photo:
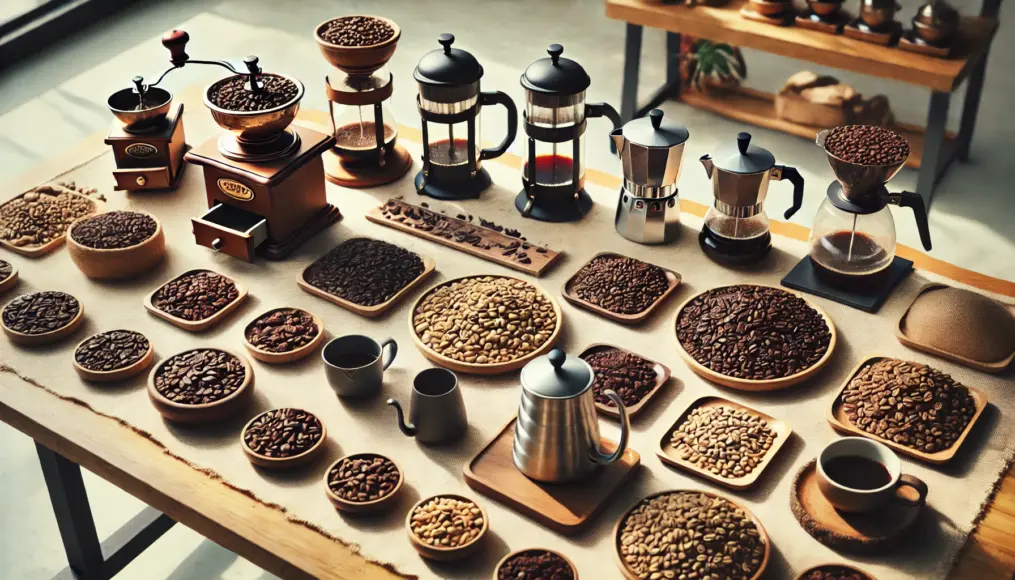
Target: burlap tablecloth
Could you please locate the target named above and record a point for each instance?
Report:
(957, 491)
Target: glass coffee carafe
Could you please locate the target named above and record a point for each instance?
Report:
(363, 132)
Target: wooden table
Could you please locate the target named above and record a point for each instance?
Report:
(933, 147)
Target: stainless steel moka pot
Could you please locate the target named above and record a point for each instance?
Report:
(650, 150)
(557, 431)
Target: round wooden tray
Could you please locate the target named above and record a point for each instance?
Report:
(630, 575)
(283, 462)
(288, 356)
(363, 507)
(46, 337)
(119, 374)
(205, 412)
(752, 384)
(834, 566)
(117, 263)
(447, 554)
(496, 570)
(487, 369)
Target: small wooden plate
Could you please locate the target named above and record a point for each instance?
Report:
(662, 375)
(838, 420)
(447, 554)
(567, 291)
(9, 282)
(205, 412)
(36, 251)
(858, 533)
(751, 384)
(196, 325)
(288, 356)
(368, 311)
(496, 570)
(118, 263)
(283, 462)
(630, 575)
(363, 507)
(120, 374)
(46, 337)
(834, 567)
(485, 369)
(670, 456)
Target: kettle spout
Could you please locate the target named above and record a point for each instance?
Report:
(706, 160)
(618, 139)
(407, 428)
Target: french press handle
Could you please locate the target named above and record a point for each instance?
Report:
(500, 98)
(914, 201)
(603, 110)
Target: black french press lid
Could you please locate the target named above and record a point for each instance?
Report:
(555, 75)
(448, 66)
(746, 158)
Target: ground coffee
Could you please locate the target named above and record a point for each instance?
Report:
(282, 330)
(199, 376)
(40, 216)
(867, 145)
(629, 375)
(535, 565)
(281, 433)
(620, 284)
(231, 94)
(362, 478)
(195, 295)
(111, 350)
(364, 271)
(40, 312)
(356, 31)
(114, 229)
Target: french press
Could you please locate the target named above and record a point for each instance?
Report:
(553, 175)
(449, 104)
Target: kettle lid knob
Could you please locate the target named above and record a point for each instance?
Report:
(557, 358)
(743, 142)
(656, 117)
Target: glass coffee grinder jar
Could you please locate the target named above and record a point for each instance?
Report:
(553, 174)
(449, 104)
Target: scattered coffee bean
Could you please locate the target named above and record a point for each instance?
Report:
(111, 350)
(620, 284)
(6, 269)
(833, 572)
(446, 522)
(725, 441)
(231, 94)
(195, 295)
(629, 375)
(753, 332)
(867, 145)
(362, 478)
(282, 433)
(40, 216)
(83, 190)
(908, 403)
(199, 376)
(40, 312)
(484, 319)
(364, 271)
(535, 565)
(357, 31)
(686, 534)
(114, 229)
(282, 330)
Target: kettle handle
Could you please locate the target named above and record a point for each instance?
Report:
(797, 180)
(625, 430)
(914, 201)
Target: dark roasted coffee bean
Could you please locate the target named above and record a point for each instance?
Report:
(115, 229)
(6, 269)
(111, 350)
(196, 295)
(199, 376)
(867, 145)
(40, 216)
(282, 330)
(535, 565)
(364, 477)
(629, 375)
(364, 271)
(281, 433)
(357, 31)
(40, 312)
(833, 572)
(620, 284)
(231, 93)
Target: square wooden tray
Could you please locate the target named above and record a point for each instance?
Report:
(662, 375)
(36, 251)
(196, 325)
(838, 420)
(670, 456)
(566, 290)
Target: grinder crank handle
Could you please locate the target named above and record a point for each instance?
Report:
(176, 42)
(914, 201)
(797, 180)
(500, 98)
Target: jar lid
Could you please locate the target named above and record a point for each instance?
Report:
(937, 14)
(655, 130)
(557, 375)
(448, 66)
(555, 75)
(745, 158)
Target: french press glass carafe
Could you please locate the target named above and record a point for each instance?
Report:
(449, 104)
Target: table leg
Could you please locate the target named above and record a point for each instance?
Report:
(934, 160)
(970, 107)
(673, 63)
(632, 64)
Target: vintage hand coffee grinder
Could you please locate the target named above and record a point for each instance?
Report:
(449, 104)
(264, 179)
(555, 117)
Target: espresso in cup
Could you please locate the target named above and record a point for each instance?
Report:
(860, 475)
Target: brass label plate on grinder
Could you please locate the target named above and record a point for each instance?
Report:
(141, 150)
(235, 189)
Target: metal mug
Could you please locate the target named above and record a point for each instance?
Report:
(853, 500)
(436, 409)
(352, 379)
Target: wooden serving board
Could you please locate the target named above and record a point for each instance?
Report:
(36, 251)
(564, 508)
(496, 245)
(196, 325)
(567, 290)
(662, 375)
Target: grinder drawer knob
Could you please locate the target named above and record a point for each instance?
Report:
(217, 244)
(141, 180)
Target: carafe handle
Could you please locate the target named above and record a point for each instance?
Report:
(500, 98)
(603, 110)
(794, 177)
(914, 201)
(625, 428)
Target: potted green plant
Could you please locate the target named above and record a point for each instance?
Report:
(713, 65)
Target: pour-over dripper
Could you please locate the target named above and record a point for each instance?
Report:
(361, 60)
(858, 180)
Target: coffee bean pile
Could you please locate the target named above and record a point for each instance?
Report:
(196, 295)
(620, 284)
(484, 319)
(629, 375)
(231, 94)
(40, 216)
(753, 332)
(833, 572)
(40, 312)
(357, 31)
(535, 565)
(363, 478)
(282, 433)
(6, 269)
(446, 522)
(364, 271)
(282, 330)
(722, 440)
(114, 229)
(867, 145)
(687, 534)
(908, 403)
(199, 376)
(111, 350)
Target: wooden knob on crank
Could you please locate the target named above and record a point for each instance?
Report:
(176, 42)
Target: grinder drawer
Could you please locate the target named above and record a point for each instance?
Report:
(139, 179)
(231, 230)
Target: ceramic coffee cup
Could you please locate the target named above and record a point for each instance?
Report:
(436, 408)
(355, 364)
(859, 475)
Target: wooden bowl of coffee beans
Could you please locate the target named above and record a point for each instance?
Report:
(364, 483)
(201, 385)
(114, 355)
(535, 563)
(116, 244)
(446, 527)
(283, 438)
(8, 276)
(357, 44)
(283, 335)
(41, 317)
(833, 572)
